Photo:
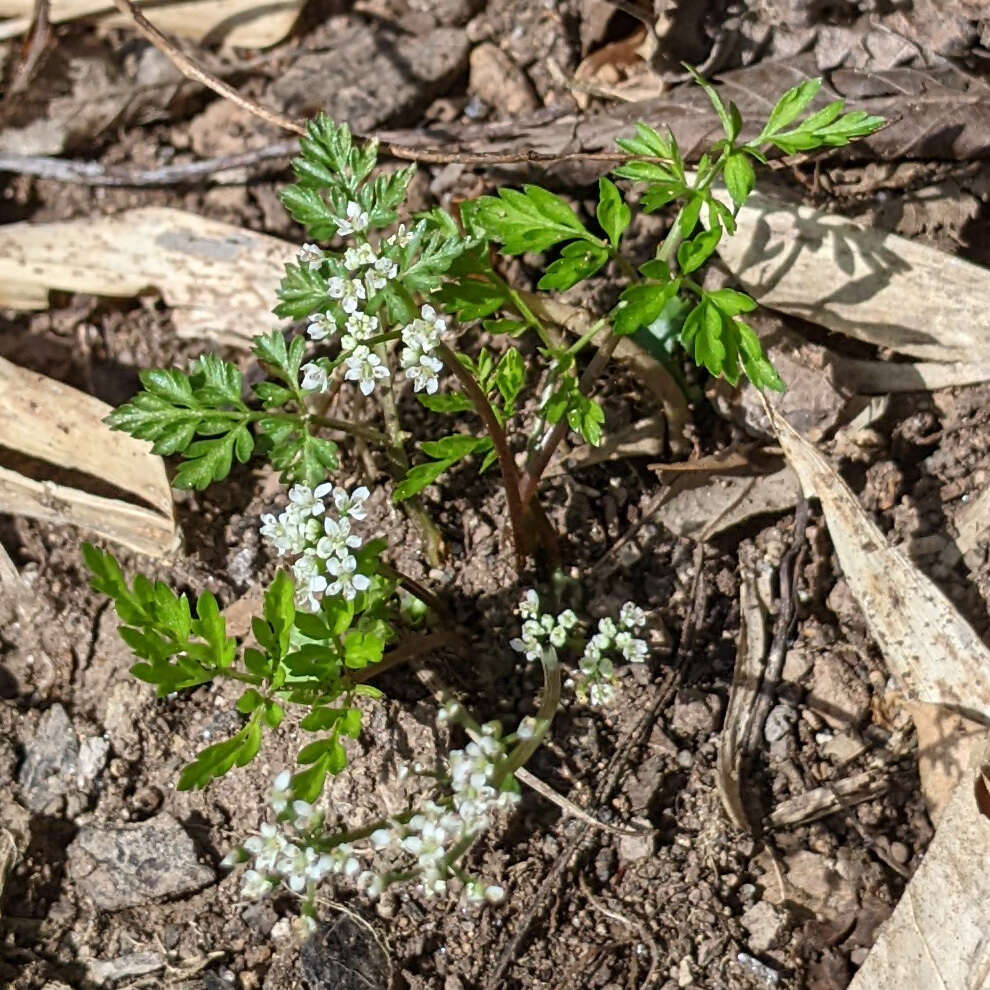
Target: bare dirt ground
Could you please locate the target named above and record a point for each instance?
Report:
(85, 749)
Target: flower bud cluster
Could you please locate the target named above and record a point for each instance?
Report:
(598, 683)
(539, 629)
(321, 540)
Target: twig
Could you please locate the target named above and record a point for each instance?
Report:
(638, 926)
(191, 70)
(95, 174)
(32, 53)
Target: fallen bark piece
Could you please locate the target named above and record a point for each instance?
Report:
(936, 936)
(875, 287)
(928, 646)
(220, 280)
(240, 23)
(823, 801)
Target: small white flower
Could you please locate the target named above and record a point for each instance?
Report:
(350, 292)
(360, 327)
(381, 838)
(374, 281)
(527, 728)
(306, 500)
(346, 581)
(567, 619)
(494, 893)
(401, 237)
(351, 504)
(339, 540)
(281, 792)
(386, 267)
(365, 367)
(310, 256)
(631, 616)
(355, 258)
(356, 220)
(529, 607)
(321, 325)
(421, 368)
(255, 885)
(606, 627)
(314, 378)
(311, 583)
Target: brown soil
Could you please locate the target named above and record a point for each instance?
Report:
(599, 910)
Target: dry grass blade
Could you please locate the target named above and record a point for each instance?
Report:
(743, 698)
(240, 23)
(873, 286)
(932, 651)
(823, 801)
(51, 422)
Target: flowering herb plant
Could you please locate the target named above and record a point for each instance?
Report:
(386, 311)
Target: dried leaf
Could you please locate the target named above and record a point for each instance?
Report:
(240, 23)
(932, 651)
(220, 280)
(875, 287)
(52, 422)
(743, 698)
(936, 936)
(644, 438)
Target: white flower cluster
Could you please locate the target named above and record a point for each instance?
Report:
(368, 272)
(597, 666)
(280, 857)
(325, 564)
(436, 829)
(540, 629)
(419, 360)
(297, 852)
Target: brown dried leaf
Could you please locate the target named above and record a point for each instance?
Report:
(52, 422)
(220, 280)
(928, 646)
(936, 936)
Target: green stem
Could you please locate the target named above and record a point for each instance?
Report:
(510, 475)
(368, 433)
(586, 338)
(395, 450)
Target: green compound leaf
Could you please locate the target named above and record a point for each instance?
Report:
(613, 214)
(448, 402)
(362, 648)
(790, 106)
(174, 408)
(531, 220)
(578, 260)
(307, 207)
(729, 116)
(509, 377)
(419, 477)
(218, 759)
(640, 305)
(586, 417)
(828, 127)
(691, 255)
(740, 179)
(300, 456)
(302, 292)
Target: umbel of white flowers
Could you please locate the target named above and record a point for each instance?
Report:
(598, 682)
(322, 541)
(367, 274)
(422, 847)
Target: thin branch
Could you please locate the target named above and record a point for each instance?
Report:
(191, 70)
(32, 54)
(95, 174)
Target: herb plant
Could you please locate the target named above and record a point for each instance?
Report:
(386, 311)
